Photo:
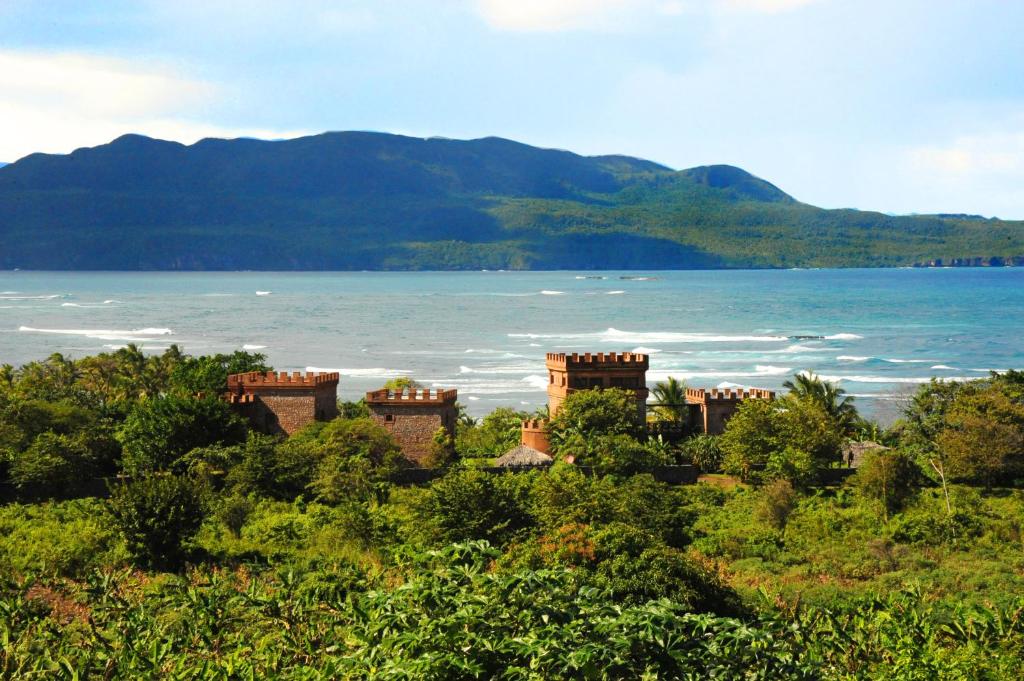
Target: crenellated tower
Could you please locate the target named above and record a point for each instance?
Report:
(279, 402)
(413, 416)
(585, 371)
(710, 409)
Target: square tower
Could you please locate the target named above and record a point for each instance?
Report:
(710, 409)
(281, 402)
(571, 373)
(413, 416)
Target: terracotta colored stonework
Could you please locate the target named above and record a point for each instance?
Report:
(413, 417)
(279, 402)
(710, 409)
(571, 373)
(534, 436)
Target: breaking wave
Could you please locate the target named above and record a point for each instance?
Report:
(612, 335)
(20, 297)
(760, 371)
(135, 335)
(374, 372)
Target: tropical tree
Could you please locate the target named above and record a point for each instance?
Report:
(670, 397)
(808, 385)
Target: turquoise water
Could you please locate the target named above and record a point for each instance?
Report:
(485, 333)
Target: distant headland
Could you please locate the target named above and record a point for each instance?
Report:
(374, 201)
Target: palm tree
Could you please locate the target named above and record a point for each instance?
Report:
(670, 398)
(832, 398)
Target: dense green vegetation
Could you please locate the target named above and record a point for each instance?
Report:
(354, 201)
(224, 554)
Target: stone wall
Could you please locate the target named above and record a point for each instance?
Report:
(413, 426)
(568, 373)
(532, 435)
(281, 403)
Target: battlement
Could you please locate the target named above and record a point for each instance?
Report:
(535, 424)
(597, 360)
(703, 396)
(281, 379)
(245, 398)
(412, 396)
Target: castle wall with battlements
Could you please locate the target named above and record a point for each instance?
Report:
(413, 417)
(279, 402)
(568, 373)
(716, 406)
(533, 434)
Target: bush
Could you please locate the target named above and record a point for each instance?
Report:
(159, 431)
(157, 515)
(593, 413)
(705, 452)
(470, 504)
(614, 454)
(233, 511)
(776, 503)
(66, 538)
(636, 567)
(52, 463)
(890, 477)
(355, 455)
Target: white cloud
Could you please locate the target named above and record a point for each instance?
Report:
(764, 6)
(551, 15)
(568, 15)
(56, 102)
(978, 173)
(993, 154)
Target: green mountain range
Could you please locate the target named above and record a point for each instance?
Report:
(359, 200)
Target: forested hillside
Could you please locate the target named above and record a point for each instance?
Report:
(358, 200)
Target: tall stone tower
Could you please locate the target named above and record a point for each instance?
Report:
(281, 402)
(571, 373)
(413, 416)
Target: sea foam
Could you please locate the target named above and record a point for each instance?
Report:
(105, 334)
(612, 335)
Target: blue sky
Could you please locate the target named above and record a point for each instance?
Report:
(901, 106)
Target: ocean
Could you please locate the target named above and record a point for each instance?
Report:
(878, 332)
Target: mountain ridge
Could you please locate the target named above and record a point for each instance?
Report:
(371, 200)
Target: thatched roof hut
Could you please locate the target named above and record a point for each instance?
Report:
(521, 456)
(853, 452)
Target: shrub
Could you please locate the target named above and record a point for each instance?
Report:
(51, 463)
(592, 413)
(777, 501)
(159, 431)
(157, 515)
(705, 452)
(890, 477)
(233, 511)
(469, 504)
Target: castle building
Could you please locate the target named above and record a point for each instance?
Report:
(413, 417)
(710, 409)
(279, 402)
(534, 436)
(571, 373)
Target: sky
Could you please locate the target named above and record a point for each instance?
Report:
(901, 106)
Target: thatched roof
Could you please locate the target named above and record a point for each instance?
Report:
(523, 456)
(853, 452)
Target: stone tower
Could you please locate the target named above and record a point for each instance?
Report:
(534, 435)
(571, 373)
(413, 416)
(710, 409)
(281, 402)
